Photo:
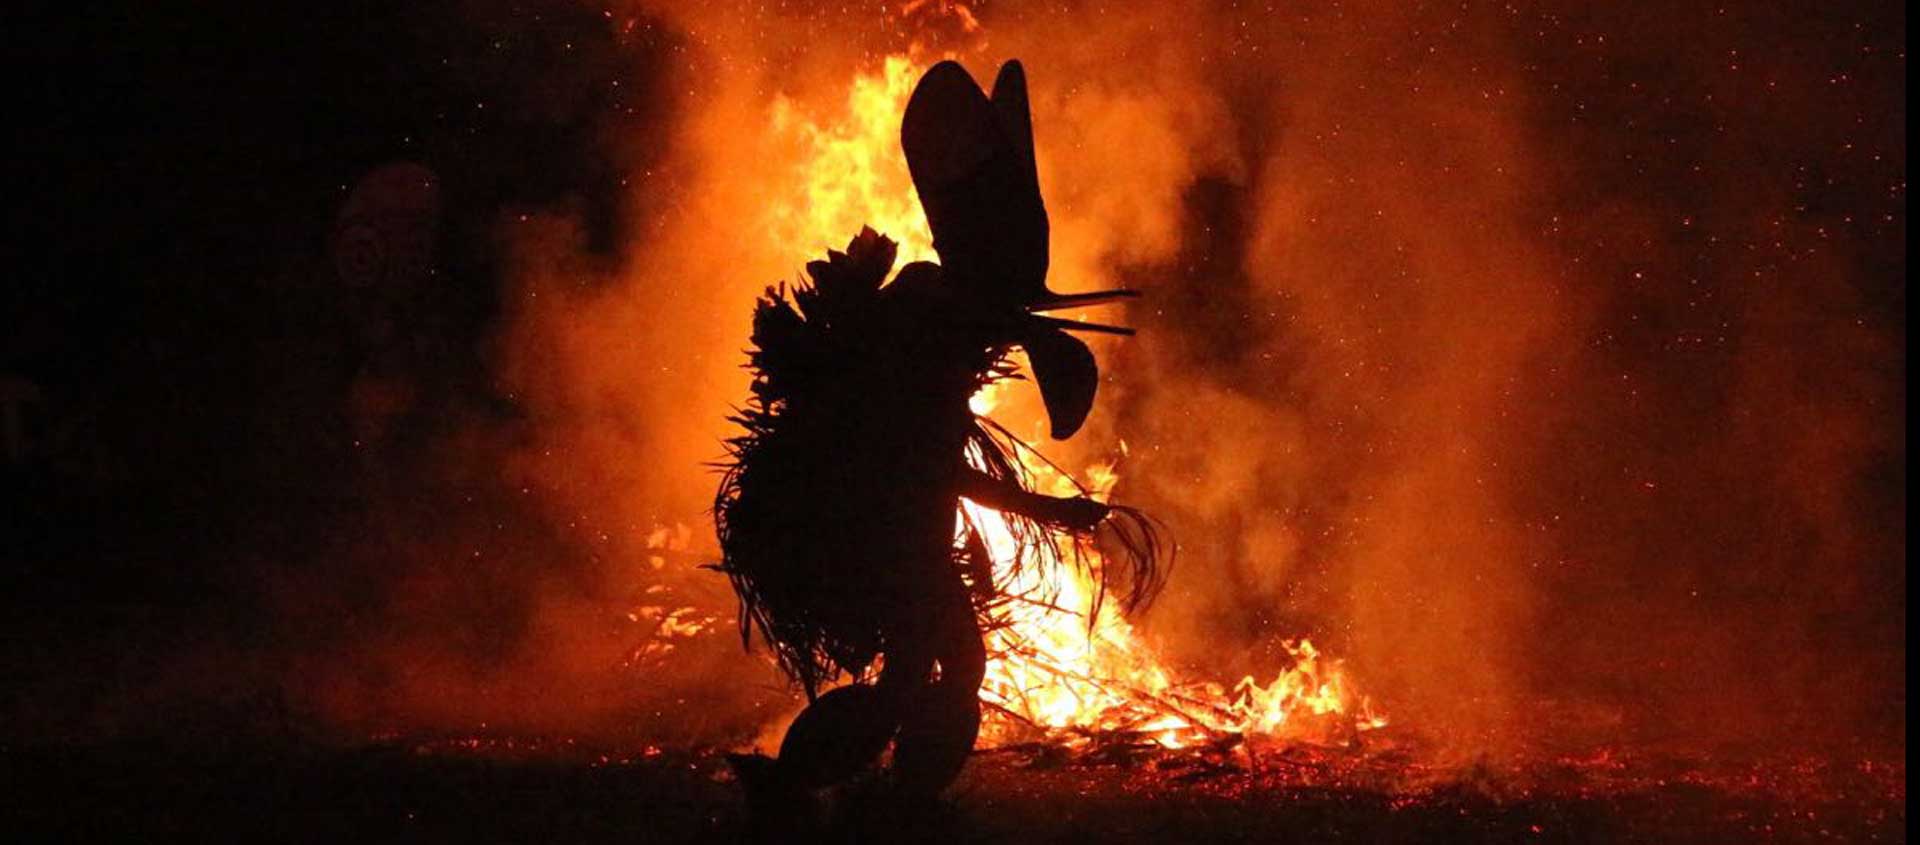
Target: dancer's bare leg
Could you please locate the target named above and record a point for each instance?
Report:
(937, 733)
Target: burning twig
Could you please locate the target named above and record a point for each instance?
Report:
(1136, 696)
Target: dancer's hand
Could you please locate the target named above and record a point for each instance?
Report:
(1080, 512)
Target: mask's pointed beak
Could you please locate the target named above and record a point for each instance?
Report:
(1057, 301)
(1066, 373)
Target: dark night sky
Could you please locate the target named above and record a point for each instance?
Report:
(175, 187)
(173, 300)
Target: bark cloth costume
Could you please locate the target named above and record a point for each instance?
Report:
(838, 510)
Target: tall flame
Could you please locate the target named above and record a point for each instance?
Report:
(1052, 674)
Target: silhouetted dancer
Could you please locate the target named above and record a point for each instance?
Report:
(837, 515)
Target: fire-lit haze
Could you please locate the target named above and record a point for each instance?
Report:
(1536, 364)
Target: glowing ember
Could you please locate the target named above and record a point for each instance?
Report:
(1053, 676)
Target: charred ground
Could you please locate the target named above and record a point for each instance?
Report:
(476, 790)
